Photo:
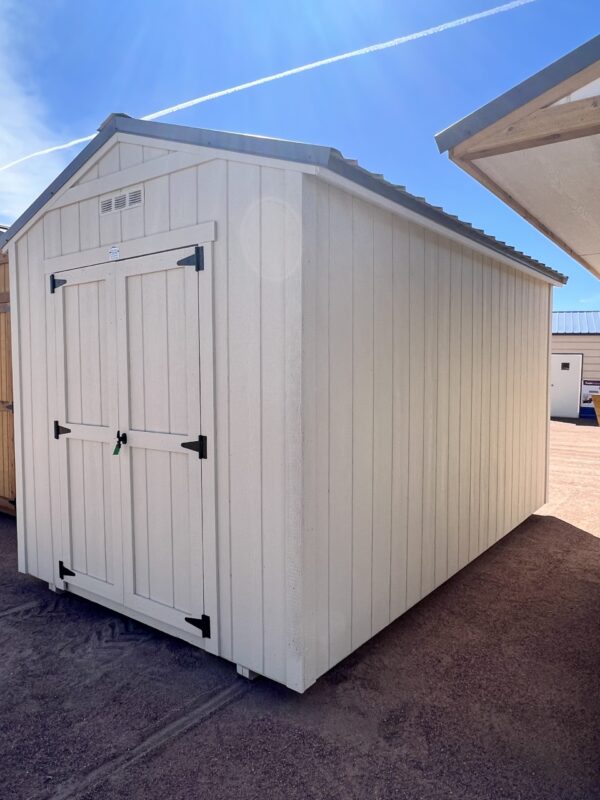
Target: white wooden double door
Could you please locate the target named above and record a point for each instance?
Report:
(135, 528)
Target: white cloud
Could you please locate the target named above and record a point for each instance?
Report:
(23, 116)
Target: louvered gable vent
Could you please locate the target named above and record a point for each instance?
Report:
(122, 201)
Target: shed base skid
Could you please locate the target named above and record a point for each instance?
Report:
(246, 673)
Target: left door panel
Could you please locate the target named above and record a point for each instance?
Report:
(87, 410)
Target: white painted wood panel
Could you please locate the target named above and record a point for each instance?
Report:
(183, 191)
(130, 155)
(401, 417)
(461, 472)
(69, 223)
(89, 224)
(272, 289)
(89, 476)
(476, 408)
(416, 414)
(465, 365)
(454, 406)
(165, 524)
(382, 420)
(362, 420)
(110, 162)
(339, 574)
(430, 405)
(443, 422)
(485, 456)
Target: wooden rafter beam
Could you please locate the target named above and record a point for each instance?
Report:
(545, 100)
(545, 126)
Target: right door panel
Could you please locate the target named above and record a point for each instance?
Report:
(159, 407)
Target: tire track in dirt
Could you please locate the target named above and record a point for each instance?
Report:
(76, 786)
(21, 608)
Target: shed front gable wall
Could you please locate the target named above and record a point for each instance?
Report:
(425, 401)
(256, 205)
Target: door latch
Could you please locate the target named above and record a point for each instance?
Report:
(121, 439)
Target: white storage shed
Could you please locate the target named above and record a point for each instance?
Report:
(329, 395)
(575, 373)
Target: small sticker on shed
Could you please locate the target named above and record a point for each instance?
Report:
(114, 254)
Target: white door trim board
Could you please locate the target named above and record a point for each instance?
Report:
(146, 245)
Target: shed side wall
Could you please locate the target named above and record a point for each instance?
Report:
(425, 397)
(257, 337)
(588, 345)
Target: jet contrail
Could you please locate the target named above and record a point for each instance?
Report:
(373, 48)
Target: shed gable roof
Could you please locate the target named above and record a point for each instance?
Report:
(317, 155)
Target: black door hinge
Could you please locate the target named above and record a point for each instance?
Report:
(55, 283)
(203, 623)
(59, 430)
(199, 446)
(196, 260)
(64, 572)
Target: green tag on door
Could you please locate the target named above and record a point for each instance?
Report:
(117, 449)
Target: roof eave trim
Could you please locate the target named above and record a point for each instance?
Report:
(367, 180)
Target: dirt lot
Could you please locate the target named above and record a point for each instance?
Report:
(487, 689)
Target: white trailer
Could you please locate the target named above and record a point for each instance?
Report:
(266, 401)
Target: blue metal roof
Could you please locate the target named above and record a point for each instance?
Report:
(580, 322)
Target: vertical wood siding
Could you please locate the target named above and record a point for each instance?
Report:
(257, 334)
(425, 388)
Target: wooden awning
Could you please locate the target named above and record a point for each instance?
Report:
(538, 148)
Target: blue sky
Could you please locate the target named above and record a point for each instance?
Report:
(67, 64)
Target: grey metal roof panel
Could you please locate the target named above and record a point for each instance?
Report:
(557, 72)
(316, 155)
(576, 322)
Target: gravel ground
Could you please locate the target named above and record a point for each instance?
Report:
(486, 689)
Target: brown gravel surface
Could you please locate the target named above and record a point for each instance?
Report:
(575, 474)
(486, 689)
